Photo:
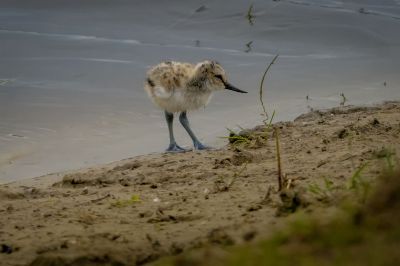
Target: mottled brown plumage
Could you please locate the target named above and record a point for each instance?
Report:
(179, 87)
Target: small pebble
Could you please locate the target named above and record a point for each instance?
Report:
(6, 249)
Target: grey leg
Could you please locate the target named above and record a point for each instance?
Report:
(185, 123)
(173, 147)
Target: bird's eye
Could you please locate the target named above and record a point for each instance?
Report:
(219, 77)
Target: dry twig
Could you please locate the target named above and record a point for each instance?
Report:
(278, 159)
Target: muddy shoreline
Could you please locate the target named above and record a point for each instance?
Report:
(137, 210)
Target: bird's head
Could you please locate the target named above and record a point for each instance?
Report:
(214, 76)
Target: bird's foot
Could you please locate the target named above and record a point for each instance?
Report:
(199, 146)
(175, 148)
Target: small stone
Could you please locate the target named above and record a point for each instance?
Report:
(156, 199)
(254, 208)
(375, 122)
(85, 191)
(6, 249)
(343, 133)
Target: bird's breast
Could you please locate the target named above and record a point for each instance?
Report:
(179, 99)
(182, 100)
(191, 100)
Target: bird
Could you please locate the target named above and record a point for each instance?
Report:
(179, 87)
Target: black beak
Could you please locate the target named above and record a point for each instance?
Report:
(232, 88)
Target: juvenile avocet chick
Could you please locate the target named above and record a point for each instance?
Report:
(180, 87)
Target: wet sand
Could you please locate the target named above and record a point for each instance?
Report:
(71, 72)
(134, 211)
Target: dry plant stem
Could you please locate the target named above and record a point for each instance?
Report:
(289, 183)
(267, 197)
(278, 159)
(261, 88)
(272, 118)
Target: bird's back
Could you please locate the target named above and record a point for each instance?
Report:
(166, 86)
(169, 75)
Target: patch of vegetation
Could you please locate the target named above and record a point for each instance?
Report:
(238, 138)
(322, 193)
(386, 154)
(358, 188)
(357, 234)
(124, 203)
(248, 137)
(360, 185)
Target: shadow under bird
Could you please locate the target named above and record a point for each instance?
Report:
(178, 87)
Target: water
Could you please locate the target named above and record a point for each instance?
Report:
(72, 71)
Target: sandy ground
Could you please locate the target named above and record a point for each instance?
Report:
(72, 71)
(133, 211)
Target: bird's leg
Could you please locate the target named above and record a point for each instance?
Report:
(185, 123)
(173, 147)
